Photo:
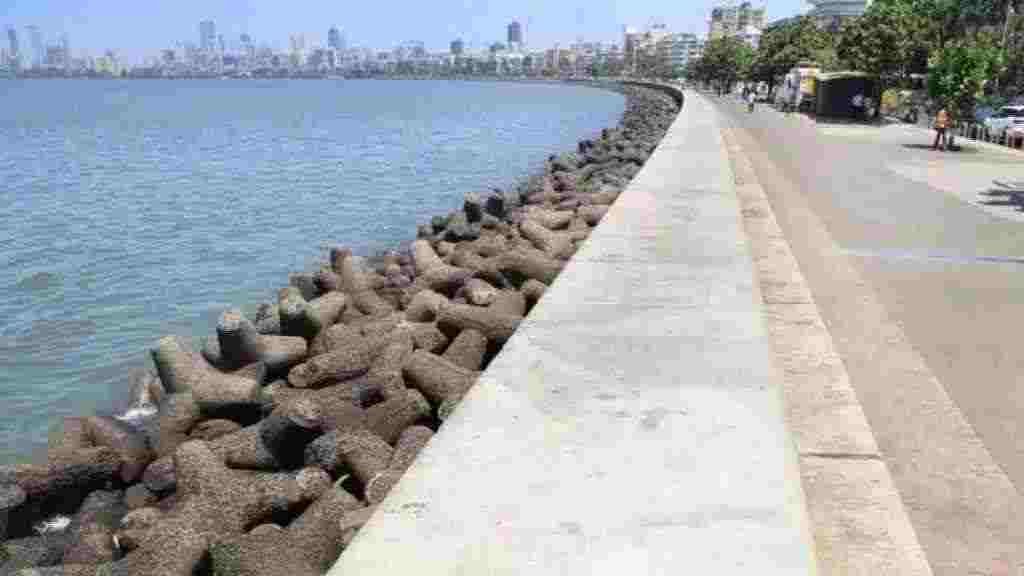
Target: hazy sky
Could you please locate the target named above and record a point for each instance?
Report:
(140, 29)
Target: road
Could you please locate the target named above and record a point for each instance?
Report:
(916, 263)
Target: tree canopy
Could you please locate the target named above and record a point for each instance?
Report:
(784, 46)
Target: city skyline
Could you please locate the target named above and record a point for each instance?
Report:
(102, 25)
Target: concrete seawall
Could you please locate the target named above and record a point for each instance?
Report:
(633, 424)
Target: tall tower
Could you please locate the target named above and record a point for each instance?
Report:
(515, 33)
(207, 35)
(65, 44)
(38, 53)
(334, 39)
(12, 39)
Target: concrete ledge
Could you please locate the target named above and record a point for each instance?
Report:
(633, 424)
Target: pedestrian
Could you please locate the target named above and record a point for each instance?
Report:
(941, 124)
(751, 99)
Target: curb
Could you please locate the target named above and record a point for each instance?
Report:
(857, 517)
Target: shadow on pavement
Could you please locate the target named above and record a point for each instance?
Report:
(955, 148)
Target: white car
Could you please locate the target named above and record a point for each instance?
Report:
(1008, 118)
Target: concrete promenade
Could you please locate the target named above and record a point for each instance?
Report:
(633, 424)
(913, 258)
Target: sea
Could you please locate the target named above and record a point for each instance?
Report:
(134, 209)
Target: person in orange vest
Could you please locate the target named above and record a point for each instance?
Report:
(941, 125)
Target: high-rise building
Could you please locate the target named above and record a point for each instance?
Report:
(38, 51)
(220, 43)
(207, 35)
(65, 44)
(334, 39)
(734, 19)
(832, 13)
(515, 34)
(458, 47)
(12, 39)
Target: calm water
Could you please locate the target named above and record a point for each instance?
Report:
(130, 210)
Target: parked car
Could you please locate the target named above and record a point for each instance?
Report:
(1006, 118)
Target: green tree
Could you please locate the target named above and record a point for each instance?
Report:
(960, 71)
(725, 62)
(884, 41)
(784, 46)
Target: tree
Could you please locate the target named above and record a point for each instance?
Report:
(784, 46)
(884, 41)
(959, 72)
(725, 62)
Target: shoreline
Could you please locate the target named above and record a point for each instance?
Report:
(310, 410)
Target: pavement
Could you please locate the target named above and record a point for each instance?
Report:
(914, 261)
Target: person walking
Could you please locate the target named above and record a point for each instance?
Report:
(941, 125)
(751, 99)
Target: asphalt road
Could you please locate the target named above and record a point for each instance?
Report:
(939, 252)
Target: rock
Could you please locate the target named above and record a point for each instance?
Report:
(436, 377)
(212, 429)
(494, 205)
(553, 244)
(308, 547)
(182, 370)
(529, 264)
(139, 496)
(460, 228)
(356, 449)
(467, 350)
(305, 283)
(533, 291)
(592, 214)
(11, 498)
(473, 207)
(356, 282)
(510, 302)
(387, 419)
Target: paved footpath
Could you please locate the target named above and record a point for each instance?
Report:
(916, 263)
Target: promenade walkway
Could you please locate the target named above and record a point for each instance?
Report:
(633, 424)
(914, 259)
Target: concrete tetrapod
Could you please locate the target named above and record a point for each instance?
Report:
(182, 370)
(356, 283)
(408, 446)
(355, 449)
(467, 350)
(496, 325)
(60, 484)
(215, 502)
(433, 273)
(478, 292)
(239, 344)
(550, 219)
(530, 264)
(307, 547)
(424, 306)
(342, 364)
(11, 497)
(438, 378)
(91, 532)
(554, 244)
(511, 302)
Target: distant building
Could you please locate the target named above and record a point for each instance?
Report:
(334, 39)
(831, 14)
(515, 34)
(65, 44)
(207, 35)
(732, 20)
(13, 54)
(458, 47)
(38, 51)
(220, 43)
(679, 49)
